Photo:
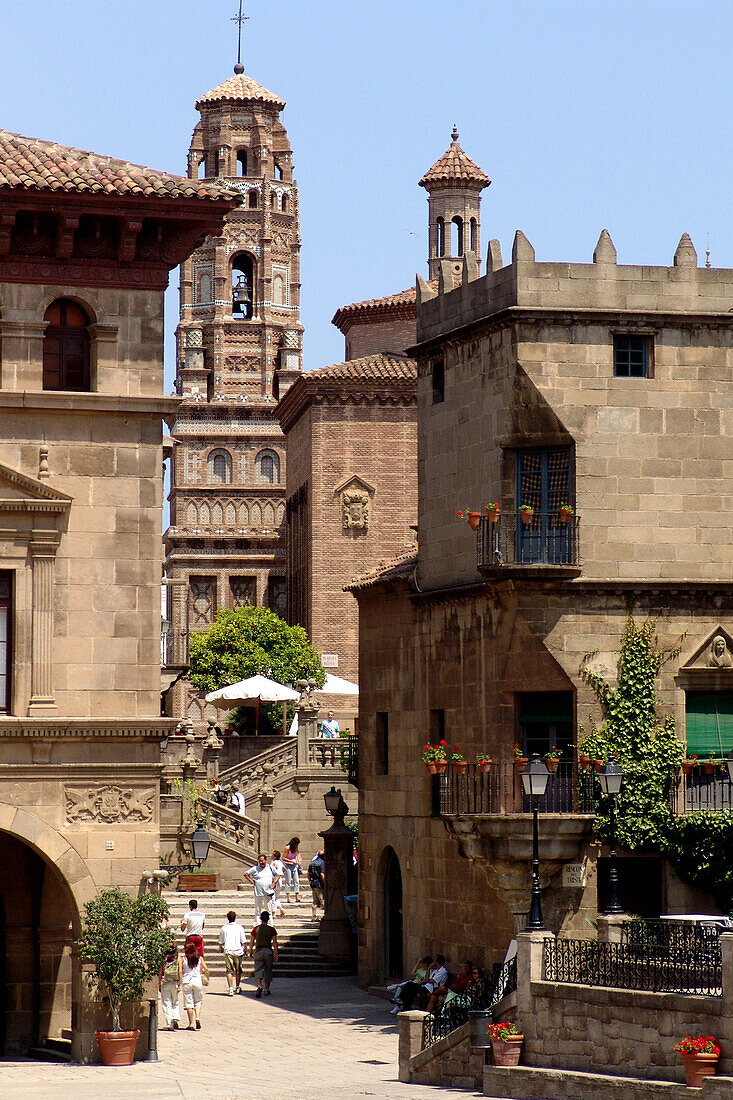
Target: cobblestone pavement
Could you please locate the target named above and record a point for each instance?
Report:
(314, 1039)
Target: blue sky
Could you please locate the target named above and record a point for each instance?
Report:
(583, 116)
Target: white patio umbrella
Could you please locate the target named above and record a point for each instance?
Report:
(336, 685)
(251, 692)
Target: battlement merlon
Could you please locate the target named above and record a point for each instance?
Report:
(602, 287)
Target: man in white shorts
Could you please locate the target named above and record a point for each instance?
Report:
(232, 939)
(262, 878)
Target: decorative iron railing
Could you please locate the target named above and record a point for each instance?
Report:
(570, 790)
(481, 997)
(660, 937)
(544, 540)
(702, 791)
(621, 966)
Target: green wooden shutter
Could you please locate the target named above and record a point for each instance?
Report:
(709, 719)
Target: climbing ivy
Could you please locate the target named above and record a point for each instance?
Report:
(649, 751)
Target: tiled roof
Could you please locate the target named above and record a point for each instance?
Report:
(382, 367)
(46, 166)
(401, 566)
(240, 87)
(454, 166)
(374, 305)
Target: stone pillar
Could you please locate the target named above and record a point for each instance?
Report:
(334, 938)
(43, 554)
(308, 708)
(610, 928)
(530, 949)
(212, 746)
(409, 1029)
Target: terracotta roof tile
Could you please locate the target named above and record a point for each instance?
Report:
(46, 166)
(454, 166)
(401, 300)
(240, 87)
(401, 566)
(381, 367)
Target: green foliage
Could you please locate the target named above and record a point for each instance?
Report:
(649, 752)
(195, 801)
(123, 937)
(250, 641)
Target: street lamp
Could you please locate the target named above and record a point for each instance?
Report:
(610, 778)
(534, 781)
(335, 805)
(200, 843)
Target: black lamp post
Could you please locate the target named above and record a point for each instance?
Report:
(534, 781)
(610, 778)
(200, 843)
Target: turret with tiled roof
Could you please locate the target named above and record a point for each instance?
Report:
(454, 185)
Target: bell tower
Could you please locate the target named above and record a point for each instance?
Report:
(454, 185)
(239, 344)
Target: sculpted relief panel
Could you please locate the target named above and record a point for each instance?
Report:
(109, 803)
(356, 500)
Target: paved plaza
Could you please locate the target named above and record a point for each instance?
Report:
(313, 1039)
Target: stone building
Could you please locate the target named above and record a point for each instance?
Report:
(86, 245)
(239, 349)
(596, 385)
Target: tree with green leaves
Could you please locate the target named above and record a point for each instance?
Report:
(123, 937)
(250, 641)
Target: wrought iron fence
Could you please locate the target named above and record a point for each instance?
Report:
(570, 790)
(670, 969)
(702, 791)
(657, 938)
(544, 540)
(484, 996)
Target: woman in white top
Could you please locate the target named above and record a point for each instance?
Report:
(194, 975)
(278, 870)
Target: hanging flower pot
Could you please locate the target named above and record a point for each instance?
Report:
(432, 767)
(598, 764)
(441, 766)
(526, 515)
(584, 761)
(687, 767)
(552, 763)
(485, 765)
(492, 511)
(520, 762)
(565, 512)
(709, 767)
(473, 520)
(460, 766)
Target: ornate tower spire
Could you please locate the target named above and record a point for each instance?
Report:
(454, 185)
(239, 20)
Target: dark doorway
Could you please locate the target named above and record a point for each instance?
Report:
(393, 916)
(546, 722)
(640, 885)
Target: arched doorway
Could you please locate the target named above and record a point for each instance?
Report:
(393, 960)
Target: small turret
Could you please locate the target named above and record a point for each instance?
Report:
(454, 185)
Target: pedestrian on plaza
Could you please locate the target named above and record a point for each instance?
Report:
(232, 941)
(263, 880)
(194, 975)
(293, 863)
(278, 869)
(264, 944)
(329, 726)
(193, 924)
(237, 800)
(169, 984)
(317, 880)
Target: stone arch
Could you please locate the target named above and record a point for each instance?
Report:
(191, 515)
(256, 514)
(217, 514)
(243, 515)
(390, 931)
(231, 514)
(205, 515)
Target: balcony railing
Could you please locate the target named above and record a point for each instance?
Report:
(699, 791)
(570, 790)
(545, 540)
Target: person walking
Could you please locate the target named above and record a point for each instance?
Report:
(278, 869)
(317, 880)
(232, 941)
(194, 975)
(262, 879)
(329, 726)
(193, 924)
(292, 862)
(169, 984)
(264, 943)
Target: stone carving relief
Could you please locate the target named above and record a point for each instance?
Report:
(355, 506)
(719, 654)
(109, 803)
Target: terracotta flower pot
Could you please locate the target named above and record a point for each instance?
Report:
(687, 767)
(520, 762)
(585, 762)
(564, 515)
(431, 766)
(485, 765)
(698, 1066)
(117, 1048)
(441, 766)
(526, 518)
(460, 766)
(506, 1051)
(493, 514)
(709, 769)
(473, 520)
(598, 764)
(552, 765)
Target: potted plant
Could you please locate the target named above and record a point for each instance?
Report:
(200, 878)
(493, 511)
(591, 750)
(699, 1057)
(123, 937)
(471, 518)
(519, 758)
(552, 759)
(441, 757)
(688, 764)
(484, 762)
(506, 1043)
(458, 761)
(710, 765)
(526, 512)
(565, 512)
(428, 759)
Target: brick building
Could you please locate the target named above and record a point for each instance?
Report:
(86, 245)
(602, 386)
(239, 349)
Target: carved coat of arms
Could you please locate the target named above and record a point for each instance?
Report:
(355, 505)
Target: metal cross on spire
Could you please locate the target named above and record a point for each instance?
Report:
(239, 19)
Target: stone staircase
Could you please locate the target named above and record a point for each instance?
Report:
(297, 934)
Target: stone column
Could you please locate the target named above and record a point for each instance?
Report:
(43, 554)
(610, 928)
(335, 935)
(409, 1028)
(530, 949)
(212, 747)
(308, 708)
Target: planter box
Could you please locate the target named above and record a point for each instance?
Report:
(191, 883)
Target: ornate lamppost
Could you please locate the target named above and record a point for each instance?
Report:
(610, 778)
(534, 781)
(334, 939)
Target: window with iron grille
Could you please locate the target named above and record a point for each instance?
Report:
(631, 355)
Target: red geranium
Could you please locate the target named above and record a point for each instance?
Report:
(701, 1044)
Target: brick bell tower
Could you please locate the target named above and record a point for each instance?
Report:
(454, 185)
(239, 344)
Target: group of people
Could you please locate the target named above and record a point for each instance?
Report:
(282, 872)
(430, 987)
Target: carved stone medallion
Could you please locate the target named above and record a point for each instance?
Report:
(109, 803)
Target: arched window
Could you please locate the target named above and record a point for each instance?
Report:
(474, 235)
(205, 289)
(278, 290)
(252, 199)
(284, 204)
(241, 162)
(278, 171)
(243, 277)
(440, 243)
(456, 236)
(66, 347)
(267, 465)
(201, 170)
(219, 466)
(273, 200)
(216, 163)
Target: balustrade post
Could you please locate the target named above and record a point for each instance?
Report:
(213, 744)
(308, 708)
(611, 928)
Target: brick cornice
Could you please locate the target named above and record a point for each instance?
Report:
(306, 392)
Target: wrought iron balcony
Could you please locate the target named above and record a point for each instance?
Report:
(570, 790)
(701, 791)
(545, 540)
